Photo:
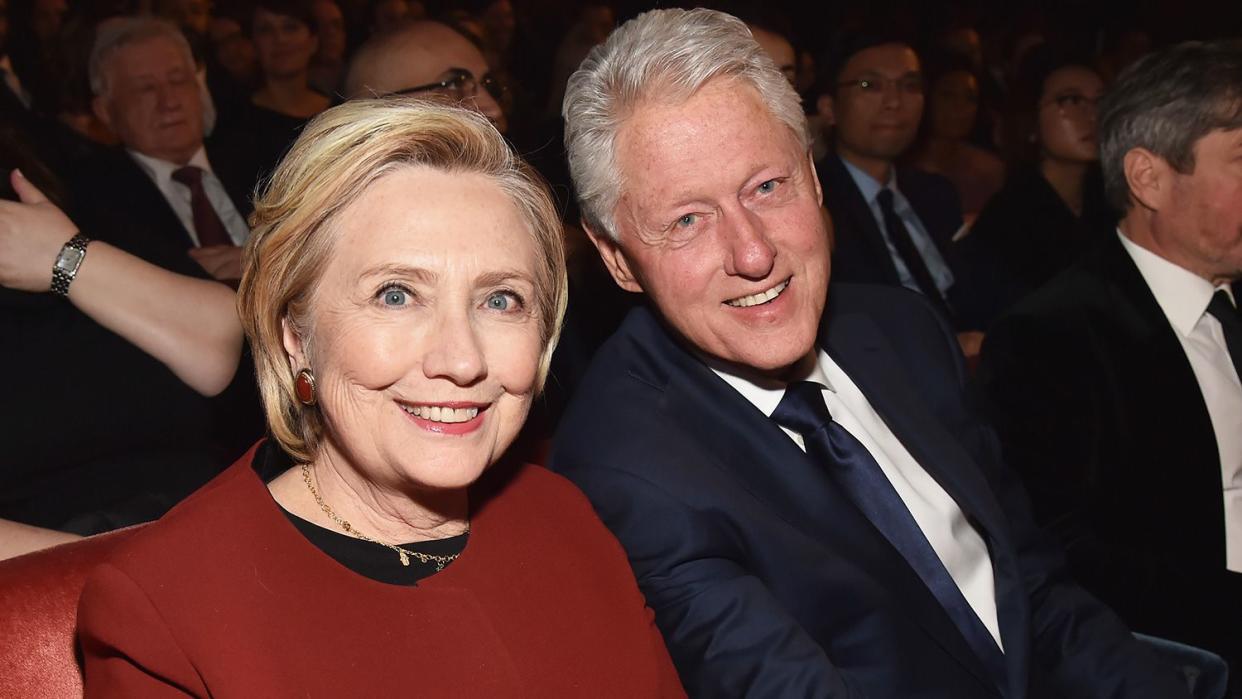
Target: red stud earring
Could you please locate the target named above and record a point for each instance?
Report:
(304, 387)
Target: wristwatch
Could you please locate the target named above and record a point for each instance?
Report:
(67, 264)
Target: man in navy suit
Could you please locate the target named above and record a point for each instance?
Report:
(803, 492)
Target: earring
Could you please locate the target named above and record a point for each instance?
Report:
(304, 387)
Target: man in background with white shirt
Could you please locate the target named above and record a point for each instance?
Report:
(807, 501)
(167, 196)
(1115, 387)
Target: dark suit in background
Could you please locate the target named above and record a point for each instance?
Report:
(860, 253)
(766, 579)
(1098, 408)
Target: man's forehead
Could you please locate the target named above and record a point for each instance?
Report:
(422, 56)
(153, 56)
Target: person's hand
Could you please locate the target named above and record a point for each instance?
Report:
(222, 262)
(971, 342)
(32, 232)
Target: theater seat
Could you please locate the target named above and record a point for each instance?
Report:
(38, 616)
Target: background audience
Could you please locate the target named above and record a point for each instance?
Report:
(978, 119)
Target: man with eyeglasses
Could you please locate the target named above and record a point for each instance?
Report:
(892, 224)
(426, 59)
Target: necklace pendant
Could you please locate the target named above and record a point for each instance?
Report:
(405, 560)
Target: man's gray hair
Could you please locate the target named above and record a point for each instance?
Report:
(1165, 102)
(659, 56)
(116, 33)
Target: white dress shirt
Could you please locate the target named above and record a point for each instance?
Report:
(178, 195)
(1184, 297)
(932, 259)
(957, 543)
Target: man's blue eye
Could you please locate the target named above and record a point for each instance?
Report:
(687, 220)
(395, 297)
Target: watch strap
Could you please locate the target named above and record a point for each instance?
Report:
(61, 279)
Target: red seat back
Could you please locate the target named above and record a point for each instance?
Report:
(38, 616)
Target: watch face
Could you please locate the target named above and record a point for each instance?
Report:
(69, 259)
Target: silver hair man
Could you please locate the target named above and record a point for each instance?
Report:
(662, 55)
(119, 32)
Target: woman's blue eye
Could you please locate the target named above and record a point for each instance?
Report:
(395, 297)
(767, 187)
(499, 301)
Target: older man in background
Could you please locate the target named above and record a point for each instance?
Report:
(1115, 387)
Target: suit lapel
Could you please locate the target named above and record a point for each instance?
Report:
(858, 227)
(752, 449)
(857, 345)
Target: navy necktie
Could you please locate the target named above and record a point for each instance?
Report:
(854, 469)
(900, 235)
(1231, 324)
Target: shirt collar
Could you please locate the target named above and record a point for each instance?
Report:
(869, 186)
(162, 170)
(1182, 294)
(764, 394)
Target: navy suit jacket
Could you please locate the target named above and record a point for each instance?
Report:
(767, 581)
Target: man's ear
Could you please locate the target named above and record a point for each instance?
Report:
(823, 107)
(1149, 178)
(614, 259)
(819, 190)
(295, 349)
(100, 108)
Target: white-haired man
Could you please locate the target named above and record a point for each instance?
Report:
(807, 501)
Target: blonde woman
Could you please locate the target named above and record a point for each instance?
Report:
(402, 293)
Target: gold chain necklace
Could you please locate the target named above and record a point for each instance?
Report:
(405, 554)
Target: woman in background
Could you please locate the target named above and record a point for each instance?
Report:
(952, 109)
(1050, 209)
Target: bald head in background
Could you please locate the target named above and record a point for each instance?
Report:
(417, 54)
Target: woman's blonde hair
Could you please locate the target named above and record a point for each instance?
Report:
(338, 155)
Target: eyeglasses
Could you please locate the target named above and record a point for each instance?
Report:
(907, 84)
(1074, 102)
(460, 84)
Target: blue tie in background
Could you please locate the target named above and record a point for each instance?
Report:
(802, 410)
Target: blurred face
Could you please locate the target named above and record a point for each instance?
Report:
(954, 104)
(152, 101)
(283, 44)
(878, 103)
(499, 22)
(234, 50)
(195, 15)
(425, 340)
(46, 16)
(728, 242)
(1067, 115)
(431, 53)
(1199, 222)
(331, 30)
(779, 50)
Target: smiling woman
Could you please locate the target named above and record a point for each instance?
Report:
(403, 289)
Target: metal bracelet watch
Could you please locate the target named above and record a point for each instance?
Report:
(68, 262)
